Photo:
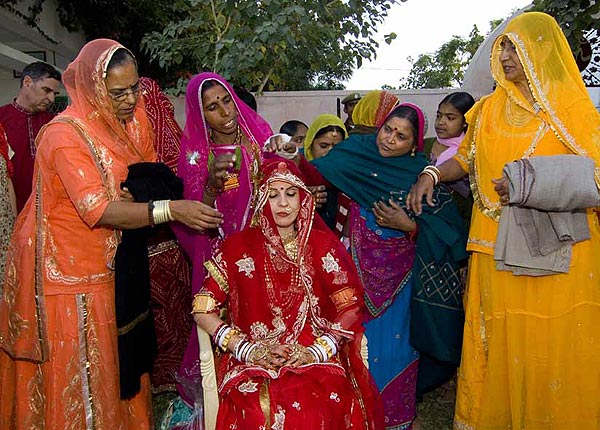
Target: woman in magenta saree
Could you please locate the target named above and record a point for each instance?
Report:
(215, 118)
(295, 305)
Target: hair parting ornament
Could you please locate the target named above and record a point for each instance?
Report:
(282, 173)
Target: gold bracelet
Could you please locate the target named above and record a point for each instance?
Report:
(203, 304)
(325, 345)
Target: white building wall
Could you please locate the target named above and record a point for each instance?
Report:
(279, 107)
(60, 50)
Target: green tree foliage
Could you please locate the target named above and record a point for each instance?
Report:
(123, 20)
(574, 16)
(271, 44)
(445, 67)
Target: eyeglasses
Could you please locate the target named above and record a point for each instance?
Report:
(121, 95)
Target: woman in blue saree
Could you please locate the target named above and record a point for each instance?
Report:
(409, 266)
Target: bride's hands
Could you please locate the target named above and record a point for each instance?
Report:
(277, 356)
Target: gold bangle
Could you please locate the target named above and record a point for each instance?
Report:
(203, 304)
(325, 345)
(228, 337)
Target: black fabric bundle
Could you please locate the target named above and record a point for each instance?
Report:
(136, 337)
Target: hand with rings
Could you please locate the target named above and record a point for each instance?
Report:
(391, 215)
(320, 194)
(269, 357)
(501, 187)
(299, 356)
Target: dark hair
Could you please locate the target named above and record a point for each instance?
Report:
(246, 96)
(121, 57)
(209, 84)
(460, 100)
(291, 127)
(40, 70)
(410, 114)
(329, 128)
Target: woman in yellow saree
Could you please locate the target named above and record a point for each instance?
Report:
(531, 349)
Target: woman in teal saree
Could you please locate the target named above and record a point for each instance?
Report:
(409, 265)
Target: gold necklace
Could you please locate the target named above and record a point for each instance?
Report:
(290, 244)
(518, 116)
(286, 296)
(490, 208)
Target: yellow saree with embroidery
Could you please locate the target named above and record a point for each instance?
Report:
(531, 351)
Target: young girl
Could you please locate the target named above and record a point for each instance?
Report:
(450, 128)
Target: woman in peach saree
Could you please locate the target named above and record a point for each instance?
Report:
(58, 332)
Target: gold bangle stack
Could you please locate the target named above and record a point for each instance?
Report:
(161, 212)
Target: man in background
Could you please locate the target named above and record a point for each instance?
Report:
(349, 102)
(24, 117)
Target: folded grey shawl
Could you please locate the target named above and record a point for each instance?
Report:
(546, 213)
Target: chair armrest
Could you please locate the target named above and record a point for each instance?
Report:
(209, 380)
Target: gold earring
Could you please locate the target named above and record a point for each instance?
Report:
(412, 153)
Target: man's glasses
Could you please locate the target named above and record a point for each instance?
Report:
(121, 95)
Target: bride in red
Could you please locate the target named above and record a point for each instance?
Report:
(295, 308)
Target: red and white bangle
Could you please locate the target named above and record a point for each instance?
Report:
(318, 352)
(330, 340)
(242, 350)
(220, 333)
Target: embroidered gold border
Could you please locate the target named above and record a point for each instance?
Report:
(84, 362)
(39, 264)
(357, 391)
(216, 274)
(460, 425)
(344, 298)
(490, 212)
(265, 402)
(481, 242)
(161, 247)
(126, 329)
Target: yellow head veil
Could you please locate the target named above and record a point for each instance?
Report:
(320, 122)
(373, 108)
(554, 80)
(510, 127)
